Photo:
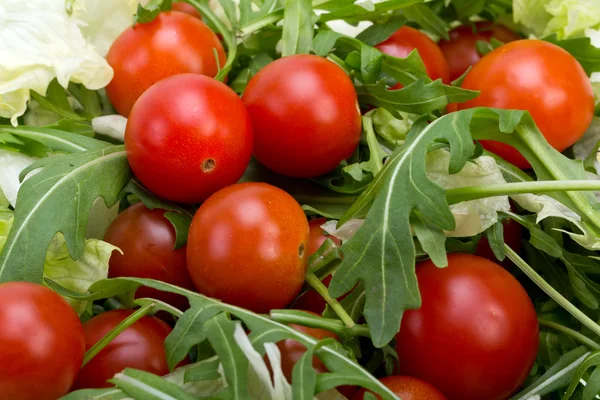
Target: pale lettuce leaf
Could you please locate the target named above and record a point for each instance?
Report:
(110, 125)
(12, 163)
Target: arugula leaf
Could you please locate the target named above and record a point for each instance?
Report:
(367, 10)
(495, 237)
(378, 33)
(580, 48)
(427, 19)
(591, 361)
(150, 10)
(96, 394)
(144, 385)
(58, 199)
(53, 139)
(297, 27)
(465, 8)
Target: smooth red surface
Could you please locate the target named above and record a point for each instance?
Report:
(147, 240)
(513, 233)
(407, 388)
(461, 50)
(541, 78)
(181, 124)
(305, 115)
(41, 343)
(141, 346)
(311, 300)
(247, 246)
(476, 334)
(173, 43)
(186, 8)
(405, 40)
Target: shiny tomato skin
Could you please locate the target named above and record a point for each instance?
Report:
(461, 50)
(311, 300)
(173, 43)
(186, 8)
(305, 115)
(476, 312)
(543, 79)
(187, 137)
(141, 346)
(41, 343)
(247, 247)
(147, 240)
(405, 40)
(407, 388)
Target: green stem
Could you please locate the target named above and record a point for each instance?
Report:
(550, 291)
(328, 324)
(570, 332)
(116, 331)
(457, 195)
(320, 288)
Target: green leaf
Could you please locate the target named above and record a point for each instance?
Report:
(557, 377)
(147, 386)
(54, 139)
(56, 101)
(297, 27)
(363, 11)
(304, 377)
(371, 61)
(58, 199)
(591, 361)
(379, 33)
(495, 237)
(96, 394)
(466, 8)
(431, 237)
(427, 19)
(203, 371)
(592, 387)
(149, 11)
(580, 48)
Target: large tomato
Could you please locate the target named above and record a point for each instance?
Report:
(407, 388)
(405, 40)
(311, 300)
(305, 115)
(461, 50)
(248, 246)
(187, 137)
(173, 43)
(41, 343)
(476, 334)
(147, 240)
(141, 346)
(541, 78)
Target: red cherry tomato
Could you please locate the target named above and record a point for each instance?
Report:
(407, 388)
(305, 115)
(513, 234)
(41, 343)
(173, 43)
(311, 300)
(147, 240)
(542, 79)
(247, 246)
(141, 346)
(461, 50)
(405, 40)
(476, 334)
(187, 137)
(186, 8)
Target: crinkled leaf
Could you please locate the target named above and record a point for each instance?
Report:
(150, 10)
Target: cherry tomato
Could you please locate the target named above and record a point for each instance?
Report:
(305, 115)
(141, 346)
(247, 246)
(541, 78)
(407, 388)
(187, 137)
(311, 300)
(147, 240)
(173, 43)
(461, 50)
(476, 334)
(41, 343)
(186, 8)
(513, 234)
(405, 40)
(292, 350)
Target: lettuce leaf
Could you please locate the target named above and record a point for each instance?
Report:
(12, 164)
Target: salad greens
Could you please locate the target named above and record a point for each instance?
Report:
(419, 186)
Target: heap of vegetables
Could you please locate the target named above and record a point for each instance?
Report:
(299, 199)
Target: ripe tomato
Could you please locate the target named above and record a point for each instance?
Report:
(476, 334)
(407, 388)
(247, 246)
(461, 50)
(311, 300)
(186, 8)
(405, 40)
(140, 346)
(173, 43)
(513, 234)
(292, 350)
(187, 137)
(542, 79)
(147, 240)
(305, 115)
(41, 343)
